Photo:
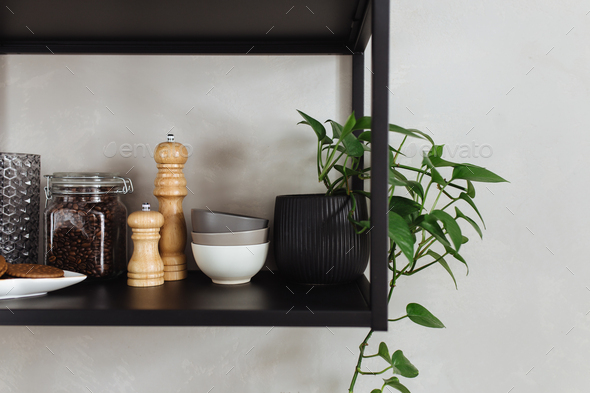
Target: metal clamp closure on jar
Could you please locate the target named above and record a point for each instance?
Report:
(65, 180)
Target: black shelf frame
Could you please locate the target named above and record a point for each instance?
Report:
(266, 301)
(370, 19)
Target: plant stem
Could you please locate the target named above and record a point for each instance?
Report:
(335, 185)
(330, 157)
(425, 195)
(427, 265)
(425, 248)
(453, 200)
(364, 344)
(410, 273)
(391, 285)
(409, 168)
(331, 164)
(375, 373)
(362, 347)
(391, 190)
(346, 177)
(319, 161)
(320, 164)
(399, 149)
(397, 319)
(437, 198)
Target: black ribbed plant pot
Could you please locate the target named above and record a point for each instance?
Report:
(314, 243)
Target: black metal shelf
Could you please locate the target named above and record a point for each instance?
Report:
(218, 27)
(266, 301)
(251, 47)
(184, 26)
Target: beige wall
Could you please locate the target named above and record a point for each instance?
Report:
(461, 69)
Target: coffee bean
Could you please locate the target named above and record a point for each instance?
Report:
(87, 233)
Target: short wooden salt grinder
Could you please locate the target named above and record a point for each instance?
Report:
(145, 268)
(170, 191)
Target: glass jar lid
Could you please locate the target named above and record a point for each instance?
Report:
(85, 183)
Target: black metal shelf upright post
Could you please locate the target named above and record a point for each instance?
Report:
(379, 164)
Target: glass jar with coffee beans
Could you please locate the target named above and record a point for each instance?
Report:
(86, 223)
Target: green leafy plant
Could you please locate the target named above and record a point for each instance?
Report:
(421, 233)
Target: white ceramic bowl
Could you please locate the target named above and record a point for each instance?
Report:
(230, 265)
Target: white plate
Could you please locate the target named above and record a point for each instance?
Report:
(24, 287)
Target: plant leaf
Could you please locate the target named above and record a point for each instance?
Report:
(353, 146)
(394, 150)
(430, 224)
(468, 199)
(348, 126)
(400, 233)
(435, 154)
(365, 193)
(396, 178)
(423, 134)
(364, 225)
(403, 206)
(475, 173)
(457, 256)
(441, 260)
(451, 227)
(420, 315)
(460, 214)
(350, 144)
(434, 174)
(376, 391)
(349, 171)
(365, 136)
(340, 148)
(402, 366)
(470, 189)
(384, 352)
(394, 383)
(336, 129)
(415, 187)
(326, 140)
(315, 125)
(412, 133)
(362, 123)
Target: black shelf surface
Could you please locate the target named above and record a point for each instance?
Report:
(196, 301)
(184, 26)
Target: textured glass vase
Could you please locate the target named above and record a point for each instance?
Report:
(19, 214)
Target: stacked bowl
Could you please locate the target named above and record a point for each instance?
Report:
(229, 248)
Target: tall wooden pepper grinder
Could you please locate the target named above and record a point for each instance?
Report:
(170, 191)
(145, 268)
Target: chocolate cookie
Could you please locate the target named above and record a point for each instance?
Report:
(29, 270)
(3, 265)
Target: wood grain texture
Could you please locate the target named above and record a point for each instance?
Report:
(146, 268)
(170, 190)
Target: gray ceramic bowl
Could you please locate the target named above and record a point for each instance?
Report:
(243, 238)
(207, 221)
